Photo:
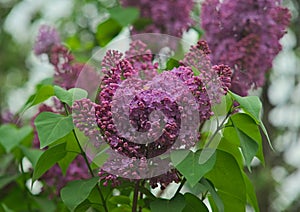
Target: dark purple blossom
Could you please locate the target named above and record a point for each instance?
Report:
(244, 35)
(170, 17)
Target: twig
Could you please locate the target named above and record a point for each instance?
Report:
(135, 196)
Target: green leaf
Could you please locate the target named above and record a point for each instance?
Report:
(69, 96)
(232, 148)
(51, 127)
(249, 147)
(192, 170)
(172, 63)
(251, 196)
(177, 156)
(11, 136)
(124, 16)
(48, 159)
(252, 106)
(72, 150)
(210, 147)
(125, 200)
(106, 31)
(193, 204)
(175, 204)
(228, 179)
(32, 154)
(43, 93)
(218, 203)
(247, 125)
(77, 191)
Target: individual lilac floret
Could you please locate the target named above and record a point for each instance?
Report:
(168, 17)
(244, 35)
(47, 37)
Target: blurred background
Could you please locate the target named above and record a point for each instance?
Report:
(277, 184)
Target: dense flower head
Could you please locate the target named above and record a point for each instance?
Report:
(244, 35)
(170, 17)
(142, 119)
(47, 37)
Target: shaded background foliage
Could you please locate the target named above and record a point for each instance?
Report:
(276, 183)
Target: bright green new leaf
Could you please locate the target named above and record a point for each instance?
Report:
(11, 136)
(51, 127)
(69, 96)
(192, 170)
(193, 204)
(175, 204)
(106, 31)
(48, 159)
(124, 16)
(77, 191)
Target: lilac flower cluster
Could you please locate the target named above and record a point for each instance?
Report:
(47, 37)
(127, 107)
(66, 69)
(244, 35)
(170, 17)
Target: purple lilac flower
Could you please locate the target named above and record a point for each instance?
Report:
(47, 37)
(170, 17)
(244, 35)
(66, 69)
(128, 99)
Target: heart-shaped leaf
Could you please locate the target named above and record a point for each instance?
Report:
(77, 191)
(51, 127)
